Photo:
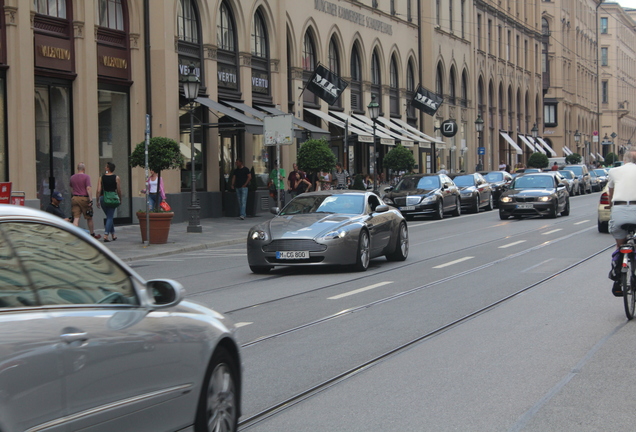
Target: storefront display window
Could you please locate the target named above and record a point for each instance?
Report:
(185, 144)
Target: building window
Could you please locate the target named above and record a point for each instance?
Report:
(54, 8)
(604, 92)
(451, 87)
(409, 11)
(550, 115)
(376, 78)
(544, 58)
(392, 6)
(410, 89)
(356, 80)
(111, 14)
(260, 58)
(464, 99)
(439, 81)
(604, 28)
(508, 45)
(188, 27)
(309, 64)
(463, 18)
(478, 31)
(394, 93)
(545, 27)
(334, 63)
(489, 41)
(450, 15)
(259, 37)
(225, 29)
(604, 61)
(438, 11)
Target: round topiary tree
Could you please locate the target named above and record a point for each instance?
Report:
(538, 160)
(163, 153)
(315, 156)
(573, 159)
(611, 158)
(399, 159)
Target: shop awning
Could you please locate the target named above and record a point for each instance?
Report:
(380, 126)
(248, 109)
(316, 132)
(567, 151)
(528, 143)
(417, 132)
(600, 157)
(536, 144)
(384, 138)
(362, 135)
(512, 142)
(547, 147)
(251, 125)
(395, 127)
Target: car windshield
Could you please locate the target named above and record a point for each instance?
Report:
(567, 174)
(576, 170)
(532, 170)
(494, 177)
(600, 172)
(412, 182)
(306, 204)
(533, 182)
(464, 180)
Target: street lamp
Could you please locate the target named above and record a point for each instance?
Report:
(374, 113)
(479, 127)
(191, 84)
(534, 131)
(577, 137)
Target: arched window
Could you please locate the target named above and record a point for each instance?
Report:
(225, 29)
(54, 8)
(260, 59)
(187, 25)
(439, 81)
(309, 64)
(227, 54)
(259, 37)
(394, 93)
(356, 80)
(545, 27)
(410, 89)
(376, 78)
(111, 14)
(464, 98)
(451, 86)
(334, 63)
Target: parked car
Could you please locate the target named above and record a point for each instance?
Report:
(499, 182)
(335, 227)
(476, 192)
(535, 194)
(572, 180)
(87, 344)
(424, 194)
(603, 212)
(601, 174)
(583, 175)
(528, 170)
(560, 179)
(595, 183)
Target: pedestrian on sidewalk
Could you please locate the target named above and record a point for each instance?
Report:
(341, 177)
(241, 178)
(81, 199)
(292, 181)
(277, 183)
(156, 192)
(109, 182)
(54, 206)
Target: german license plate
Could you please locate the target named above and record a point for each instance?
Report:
(292, 255)
(407, 208)
(524, 206)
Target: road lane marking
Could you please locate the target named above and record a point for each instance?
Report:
(242, 324)
(582, 222)
(552, 232)
(512, 244)
(537, 265)
(366, 288)
(453, 262)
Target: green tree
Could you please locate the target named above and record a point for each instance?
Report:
(315, 156)
(538, 160)
(611, 158)
(163, 153)
(399, 159)
(357, 183)
(573, 159)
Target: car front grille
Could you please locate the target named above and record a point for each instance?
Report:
(408, 200)
(525, 199)
(294, 245)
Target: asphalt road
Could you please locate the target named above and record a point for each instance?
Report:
(503, 325)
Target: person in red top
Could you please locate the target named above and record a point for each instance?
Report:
(555, 167)
(81, 201)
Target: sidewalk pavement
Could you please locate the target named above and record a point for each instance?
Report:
(216, 232)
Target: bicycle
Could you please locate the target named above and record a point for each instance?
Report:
(628, 277)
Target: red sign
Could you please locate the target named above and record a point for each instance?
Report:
(5, 193)
(17, 198)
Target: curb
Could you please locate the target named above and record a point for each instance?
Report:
(180, 250)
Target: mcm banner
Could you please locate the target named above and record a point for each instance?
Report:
(326, 85)
(426, 100)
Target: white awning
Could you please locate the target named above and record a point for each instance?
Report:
(536, 144)
(414, 131)
(384, 138)
(512, 143)
(362, 135)
(592, 156)
(316, 132)
(600, 157)
(547, 147)
(527, 143)
(380, 126)
(251, 125)
(567, 151)
(395, 127)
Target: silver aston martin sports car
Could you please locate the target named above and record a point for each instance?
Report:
(339, 227)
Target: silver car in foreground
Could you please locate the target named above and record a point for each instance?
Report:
(341, 227)
(86, 344)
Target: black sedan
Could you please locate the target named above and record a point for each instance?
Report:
(536, 194)
(424, 194)
(476, 192)
(499, 182)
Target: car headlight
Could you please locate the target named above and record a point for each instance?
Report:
(506, 199)
(544, 199)
(388, 201)
(333, 235)
(259, 235)
(428, 199)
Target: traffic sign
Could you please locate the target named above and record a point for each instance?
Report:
(481, 150)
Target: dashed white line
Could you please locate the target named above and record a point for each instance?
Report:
(552, 232)
(582, 222)
(454, 262)
(512, 244)
(242, 324)
(366, 288)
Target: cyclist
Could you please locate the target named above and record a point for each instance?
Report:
(622, 198)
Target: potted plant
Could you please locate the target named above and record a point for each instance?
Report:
(163, 153)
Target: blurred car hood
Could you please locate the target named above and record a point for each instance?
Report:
(307, 225)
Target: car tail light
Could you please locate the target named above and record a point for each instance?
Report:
(627, 249)
(605, 198)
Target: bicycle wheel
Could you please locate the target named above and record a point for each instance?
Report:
(627, 281)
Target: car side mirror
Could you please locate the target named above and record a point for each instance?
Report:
(381, 208)
(274, 210)
(388, 189)
(164, 293)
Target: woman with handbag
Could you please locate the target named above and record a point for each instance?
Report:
(109, 194)
(156, 193)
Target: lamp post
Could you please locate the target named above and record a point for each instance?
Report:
(479, 127)
(534, 131)
(374, 113)
(191, 85)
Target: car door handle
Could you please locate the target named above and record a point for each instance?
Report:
(69, 338)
